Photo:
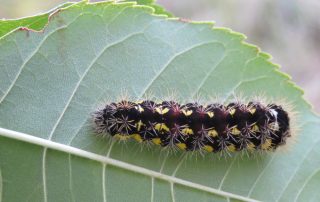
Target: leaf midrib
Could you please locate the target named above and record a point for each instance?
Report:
(70, 99)
(113, 162)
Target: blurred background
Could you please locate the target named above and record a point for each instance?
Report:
(287, 29)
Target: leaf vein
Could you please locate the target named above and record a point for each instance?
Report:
(82, 77)
(70, 178)
(169, 62)
(298, 167)
(209, 74)
(103, 159)
(1, 185)
(104, 190)
(226, 173)
(260, 175)
(31, 56)
(305, 183)
(44, 177)
(152, 189)
(172, 192)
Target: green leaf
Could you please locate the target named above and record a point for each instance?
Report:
(51, 81)
(36, 23)
(157, 9)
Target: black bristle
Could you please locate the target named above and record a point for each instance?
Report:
(192, 126)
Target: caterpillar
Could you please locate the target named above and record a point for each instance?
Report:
(192, 126)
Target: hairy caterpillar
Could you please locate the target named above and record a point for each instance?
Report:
(213, 128)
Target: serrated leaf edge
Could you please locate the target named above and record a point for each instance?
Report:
(133, 4)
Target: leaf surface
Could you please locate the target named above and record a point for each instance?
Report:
(36, 23)
(51, 81)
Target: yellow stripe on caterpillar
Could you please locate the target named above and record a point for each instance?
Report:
(213, 133)
(232, 111)
(161, 127)
(139, 108)
(235, 131)
(181, 146)
(122, 136)
(255, 128)
(186, 112)
(208, 148)
(156, 141)
(162, 111)
(252, 110)
(231, 148)
(137, 137)
(139, 125)
(210, 114)
(266, 145)
(187, 131)
(250, 147)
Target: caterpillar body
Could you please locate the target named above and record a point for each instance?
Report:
(194, 127)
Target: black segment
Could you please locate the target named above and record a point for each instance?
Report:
(214, 127)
